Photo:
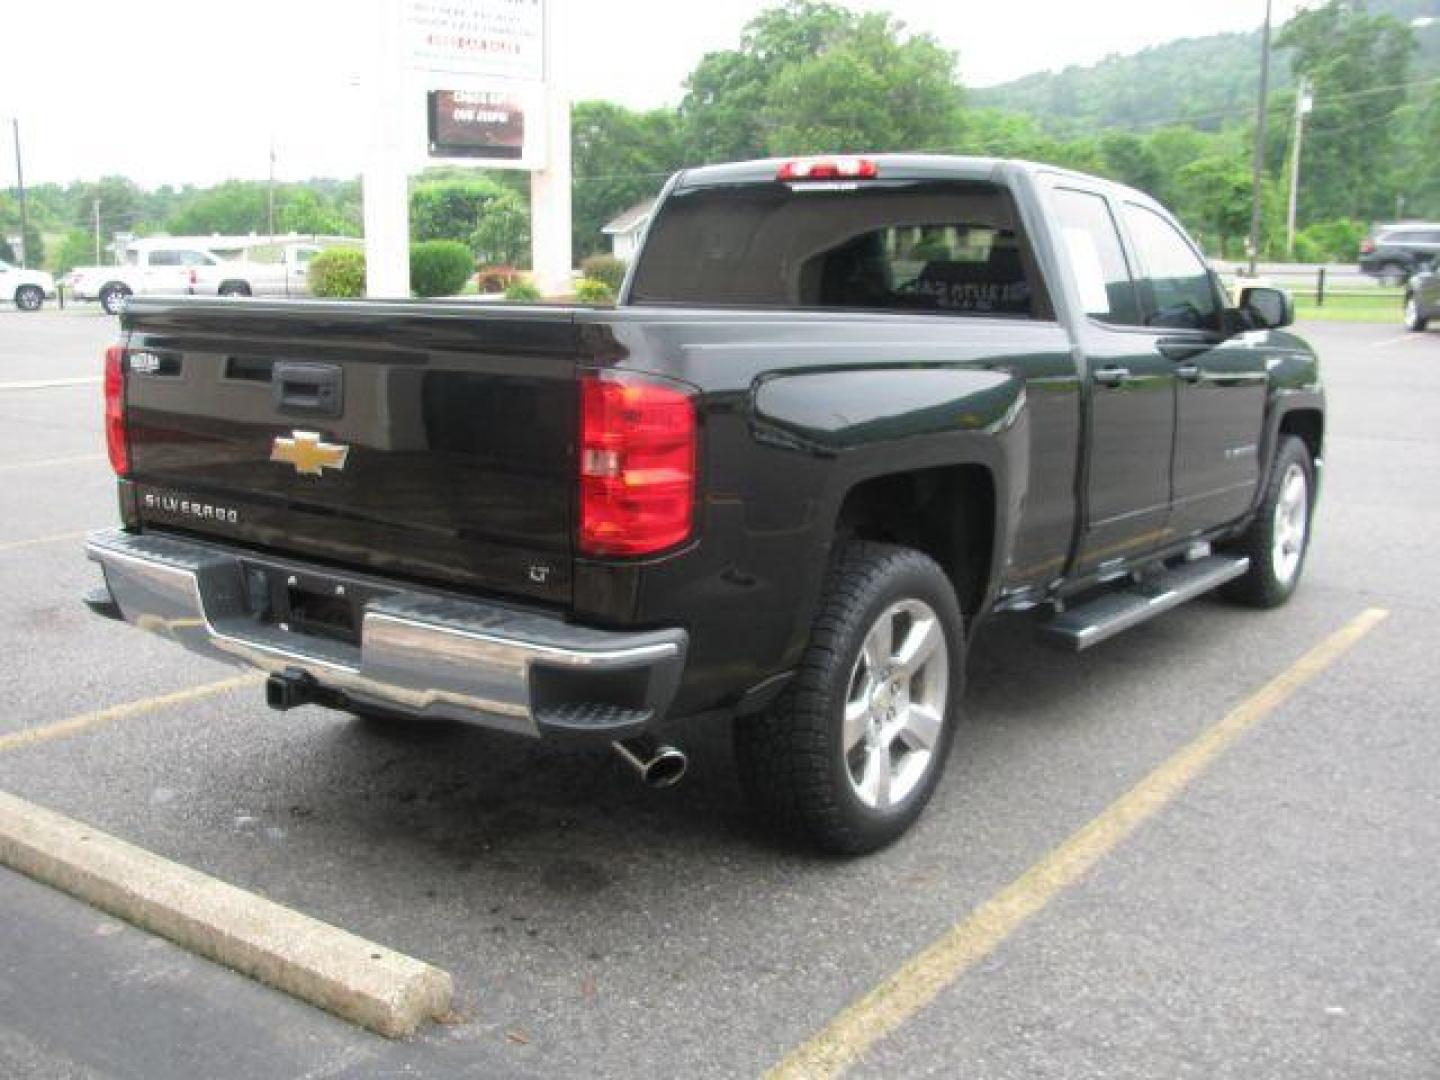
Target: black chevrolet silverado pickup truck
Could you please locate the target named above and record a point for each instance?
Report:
(845, 410)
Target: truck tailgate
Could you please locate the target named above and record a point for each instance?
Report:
(434, 442)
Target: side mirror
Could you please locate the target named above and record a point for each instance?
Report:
(1266, 308)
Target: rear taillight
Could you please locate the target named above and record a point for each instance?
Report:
(115, 440)
(1367, 246)
(637, 465)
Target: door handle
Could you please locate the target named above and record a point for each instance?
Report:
(1189, 372)
(1112, 376)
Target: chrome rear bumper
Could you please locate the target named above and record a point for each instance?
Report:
(420, 653)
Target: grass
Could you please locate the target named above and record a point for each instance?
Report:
(1383, 307)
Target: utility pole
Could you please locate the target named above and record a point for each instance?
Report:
(1259, 178)
(1303, 104)
(97, 233)
(270, 190)
(20, 179)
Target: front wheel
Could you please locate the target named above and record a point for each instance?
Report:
(235, 288)
(1279, 537)
(113, 297)
(1413, 319)
(850, 754)
(29, 297)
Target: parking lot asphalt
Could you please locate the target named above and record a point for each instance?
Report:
(1281, 917)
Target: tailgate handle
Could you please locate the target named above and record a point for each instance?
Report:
(308, 389)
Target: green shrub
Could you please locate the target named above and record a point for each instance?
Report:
(604, 268)
(1337, 240)
(439, 267)
(338, 273)
(590, 291)
(523, 290)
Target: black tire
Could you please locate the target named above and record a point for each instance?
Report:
(234, 288)
(792, 759)
(29, 297)
(112, 298)
(1393, 273)
(1270, 581)
(1413, 319)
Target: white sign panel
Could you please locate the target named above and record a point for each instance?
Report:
(475, 82)
(498, 39)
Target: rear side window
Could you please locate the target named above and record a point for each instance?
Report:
(164, 258)
(1176, 283)
(951, 248)
(1096, 257)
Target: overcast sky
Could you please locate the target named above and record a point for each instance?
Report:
(193, 90)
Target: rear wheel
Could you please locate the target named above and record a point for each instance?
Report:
(234, 288)
(1413, 319)
(113, 297)
(1279, 537)
(29, 297)
(1392, 273)
(850, 754)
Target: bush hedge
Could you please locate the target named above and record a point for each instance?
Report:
(439, 267)
(606, 268)
(524, 291)
(592, 291)
(338, 273)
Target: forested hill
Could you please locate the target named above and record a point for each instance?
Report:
(1206, 81)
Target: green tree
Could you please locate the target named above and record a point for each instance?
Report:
(451, 209)
(1131, 160)
(234, 208)
(76, 249)
(621, 157)
(869, 89)
(1215, 193)
(813, 77)
(727, 93)
(302, 210)
(502, 235)
(1358, 64)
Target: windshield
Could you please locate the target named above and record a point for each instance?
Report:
(946, 247)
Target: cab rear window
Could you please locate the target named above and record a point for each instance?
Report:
(951, 248)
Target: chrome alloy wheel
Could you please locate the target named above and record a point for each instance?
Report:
(1412, 312)
(1292, 523)
(895, 706)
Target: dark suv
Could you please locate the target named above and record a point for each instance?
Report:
(1397, 251)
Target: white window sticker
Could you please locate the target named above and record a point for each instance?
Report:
(1088, 270)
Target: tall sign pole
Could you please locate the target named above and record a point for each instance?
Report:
(1257, 186)
(551, 252)
(385, 183)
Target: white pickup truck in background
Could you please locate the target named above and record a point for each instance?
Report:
(266, 268)
(167, 266)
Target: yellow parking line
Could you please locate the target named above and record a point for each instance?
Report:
(921, 979)
(42, 463)
(86, 721)
(35, 541)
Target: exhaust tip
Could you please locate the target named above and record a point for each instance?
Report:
(659, 766)
(666, 769)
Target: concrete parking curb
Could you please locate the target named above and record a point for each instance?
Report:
(355, 979)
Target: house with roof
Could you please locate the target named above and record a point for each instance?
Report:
(626, 229)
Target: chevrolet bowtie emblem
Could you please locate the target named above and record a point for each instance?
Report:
(310, 454)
